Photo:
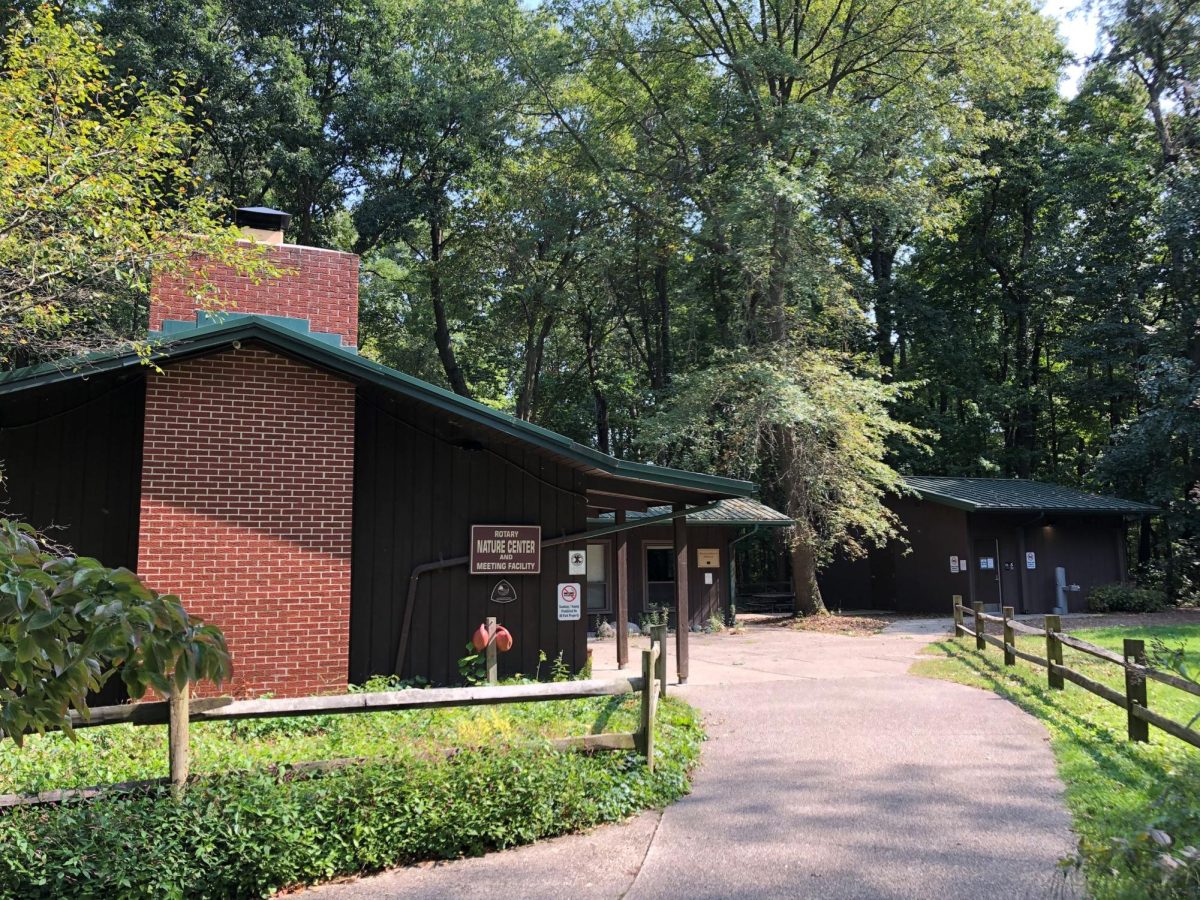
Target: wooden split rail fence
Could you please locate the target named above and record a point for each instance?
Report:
(179, 711)
(1138, 672)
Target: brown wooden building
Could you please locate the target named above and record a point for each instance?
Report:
(319, 506)
(996, 540)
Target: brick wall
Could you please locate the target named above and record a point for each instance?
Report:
(247, 486)
(318, 285)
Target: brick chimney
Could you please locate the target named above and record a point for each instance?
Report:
(247, 482)
(316, 286)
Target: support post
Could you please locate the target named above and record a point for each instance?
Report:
(177, 737)
(1010, 639)
(649, 703)
(658, 638)
(682, 584)
(1135, 689)
(1054, 653)
(980, 643)
(493, 675)
(622, 593)
(956, 601)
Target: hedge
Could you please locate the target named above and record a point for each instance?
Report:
(254, 834)
(1126, 598)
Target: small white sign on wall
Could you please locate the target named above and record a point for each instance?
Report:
(1030, 560)
(708, 578)
(954, 565)
(576, 562)
(568, 602)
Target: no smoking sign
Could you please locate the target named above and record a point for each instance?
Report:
(568, 602)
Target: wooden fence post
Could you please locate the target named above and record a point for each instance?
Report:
(1135, 689)
(658, 638)
(1010, 639)
(956, 601)
(645, 736)
(490, 652)
(980, 643)
(1054, 653)
(177, 738)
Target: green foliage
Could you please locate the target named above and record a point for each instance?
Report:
(96, 195)
(252, 834)
(814, 423)
(473, 667)
(559, 670)
(1126, 598)
(653, 615)
(1136, 807)
(67, 623)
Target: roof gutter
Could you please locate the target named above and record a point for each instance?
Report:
(415, 577)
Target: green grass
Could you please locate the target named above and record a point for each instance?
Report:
(116, 753)
(437, 784)
(1132, 804)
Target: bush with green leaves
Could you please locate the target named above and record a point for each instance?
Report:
(67, 624)
(1126, 598)
(242, 835)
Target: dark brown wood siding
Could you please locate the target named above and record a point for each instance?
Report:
(419, 486)
(1090, 548)
(72, 458)
(705, 600)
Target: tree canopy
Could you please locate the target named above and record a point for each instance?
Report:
(815, 243)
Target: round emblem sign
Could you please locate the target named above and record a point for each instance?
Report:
(569, 594)
(503, 592)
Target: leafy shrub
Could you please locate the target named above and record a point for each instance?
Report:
(250, 835)
(67, 623)
(1126, 598)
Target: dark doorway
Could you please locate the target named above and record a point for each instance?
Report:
(660, 576)
(987, 574)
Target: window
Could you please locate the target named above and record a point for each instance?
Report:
(660, 576)
(597, 578)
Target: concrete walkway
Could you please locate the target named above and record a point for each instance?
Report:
(829, 773)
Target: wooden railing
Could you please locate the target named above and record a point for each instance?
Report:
(179, 711)
(1138, 672)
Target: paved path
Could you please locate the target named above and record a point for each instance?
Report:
(829, 773)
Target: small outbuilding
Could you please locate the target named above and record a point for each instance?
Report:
(1034, 546)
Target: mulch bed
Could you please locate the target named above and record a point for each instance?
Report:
(853, 626)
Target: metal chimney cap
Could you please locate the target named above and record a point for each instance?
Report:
(261, 217)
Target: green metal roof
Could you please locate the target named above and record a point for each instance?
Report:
(738, 511)
(1018, 495)
(314, 350)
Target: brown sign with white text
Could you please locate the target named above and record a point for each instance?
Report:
(506, 549)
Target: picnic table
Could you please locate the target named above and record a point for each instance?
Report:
(768, 601)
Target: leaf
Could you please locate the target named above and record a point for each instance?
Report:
(43, 618)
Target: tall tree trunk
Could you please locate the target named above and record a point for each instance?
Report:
(881, 260)
(804, 576)
(441, 333)
(662, 296)
(535, 353)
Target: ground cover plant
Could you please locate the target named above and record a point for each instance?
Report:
(434, 784)
(1136, 807)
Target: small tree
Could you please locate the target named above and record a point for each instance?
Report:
(812, 429)
(68, 623)
(96, 196)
